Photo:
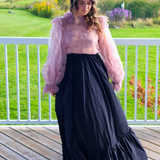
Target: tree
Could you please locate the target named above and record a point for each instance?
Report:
(64, 4)
(11, 1)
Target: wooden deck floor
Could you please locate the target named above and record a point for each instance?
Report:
(43, 142)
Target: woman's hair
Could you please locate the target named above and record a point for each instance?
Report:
(91, 18)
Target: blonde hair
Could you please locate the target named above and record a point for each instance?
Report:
(91, 19)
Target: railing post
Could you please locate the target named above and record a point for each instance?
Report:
(156, 97)
(39, 88)
(146, 83)
(136, 72)
(17, 77)
(50, 111)
(125, 99)
(28, 83)
(7, 89)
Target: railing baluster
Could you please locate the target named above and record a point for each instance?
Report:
(146, 83)
(39, 88)
(156, 97)
(50, 115)
(125, 102)
(7, 89)
(136, 71)
(28, 83)
(17, 77)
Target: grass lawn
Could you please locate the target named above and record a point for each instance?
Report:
(24, 24)
(20, 4)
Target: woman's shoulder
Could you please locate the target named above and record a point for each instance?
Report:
(103, 20)
(67, 17)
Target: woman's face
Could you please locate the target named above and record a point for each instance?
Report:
(84, 7)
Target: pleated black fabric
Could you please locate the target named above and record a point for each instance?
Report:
(91, 120)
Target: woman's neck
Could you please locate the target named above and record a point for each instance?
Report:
(79, 15)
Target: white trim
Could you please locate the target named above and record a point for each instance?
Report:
(31, 126)
(140, 126)
(44, 40)
(28, 122)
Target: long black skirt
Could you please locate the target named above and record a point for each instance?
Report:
(91, 119)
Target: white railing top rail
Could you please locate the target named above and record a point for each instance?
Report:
(44, 40)
(24, 40)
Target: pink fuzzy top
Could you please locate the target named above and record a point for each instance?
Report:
(68, 36)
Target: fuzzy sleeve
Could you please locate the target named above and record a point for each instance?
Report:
(110, 55)
(54, 68)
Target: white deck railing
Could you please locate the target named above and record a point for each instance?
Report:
(44, 41)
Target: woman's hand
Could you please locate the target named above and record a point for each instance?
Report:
(112, 84)
(53, 94)
(116, 86)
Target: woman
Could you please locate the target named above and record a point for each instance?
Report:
(82, 57)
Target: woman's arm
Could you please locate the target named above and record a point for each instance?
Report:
(110, 55)
(54, 68)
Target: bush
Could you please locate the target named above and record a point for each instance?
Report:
(149, 22)
(156, 21)
(141, 94)
(57, 13)
(140, 23)
(132, 24)
(107, 5)
(64, 4)
(143, 9)
(139, 8)
(159, 13)
(44, 8)
(119, 14)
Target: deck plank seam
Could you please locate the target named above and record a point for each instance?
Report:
(3, 157)
(44, 136)
(149, 136)
(154, 131)
(51, 130)
(152, 153)
(37, 142)
(149, 149)
(24, 145)
(148, 142)
(145, 148)
(13, 151)
(150, 158)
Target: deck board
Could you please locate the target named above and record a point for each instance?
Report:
(30, 143)
(44, 142)
(1, 158)
(48, 143)
(9, 154)
(150, 132)
(19, 148)
(146, 137)
(55, 130)
(48, 133)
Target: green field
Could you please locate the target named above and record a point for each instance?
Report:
(19, 4)
(24, 24)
